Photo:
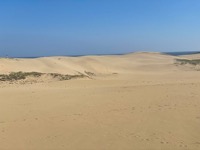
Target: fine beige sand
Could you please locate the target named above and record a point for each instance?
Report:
(138, 101)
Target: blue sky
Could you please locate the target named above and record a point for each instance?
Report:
(77, 27)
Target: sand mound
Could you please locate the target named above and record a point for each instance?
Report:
(108, 64)
(192, 56)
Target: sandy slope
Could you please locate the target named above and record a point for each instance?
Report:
(151, 104)
(192, 56)
(98, 64)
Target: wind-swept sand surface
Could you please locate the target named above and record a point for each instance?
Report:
(139, 101)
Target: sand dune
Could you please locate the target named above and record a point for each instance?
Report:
(192, 56)
(98, 64)
(149, 103)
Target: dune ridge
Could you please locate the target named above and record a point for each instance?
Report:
(128, 63)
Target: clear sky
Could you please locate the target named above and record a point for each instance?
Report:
(76, 27)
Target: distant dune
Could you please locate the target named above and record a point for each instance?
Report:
(129, 63)
(192, 56)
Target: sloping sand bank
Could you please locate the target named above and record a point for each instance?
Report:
(138, 101)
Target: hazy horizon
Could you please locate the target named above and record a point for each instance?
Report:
(47, 28)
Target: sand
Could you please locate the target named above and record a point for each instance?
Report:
(139, 101)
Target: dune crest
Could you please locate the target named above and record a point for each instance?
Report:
(128, 63)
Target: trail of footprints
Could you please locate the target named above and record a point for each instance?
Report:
(154, 138)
